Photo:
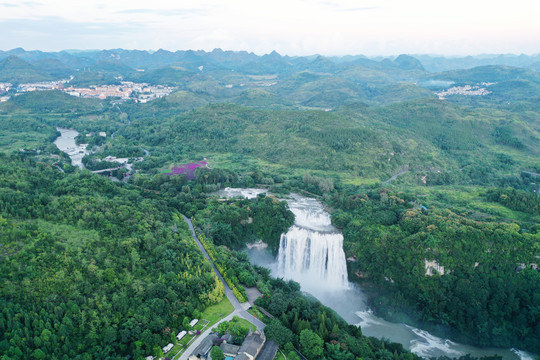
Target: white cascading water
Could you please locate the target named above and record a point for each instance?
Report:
(313, 257)
(311, 252)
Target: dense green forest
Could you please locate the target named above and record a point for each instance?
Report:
(393, 236)
(240, 221)
(92, 269)
(433, 142)
(97, 270)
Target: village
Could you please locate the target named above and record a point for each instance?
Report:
(254, 345)
(467, 90)
(139, 92)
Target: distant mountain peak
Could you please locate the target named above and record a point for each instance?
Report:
(18, 50)
(273, 55)
(14, 61)
(162, 51)
(407, 62)
(15, 70)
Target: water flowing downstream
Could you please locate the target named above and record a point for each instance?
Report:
(66, 143)
(311, 253)
(312, 258)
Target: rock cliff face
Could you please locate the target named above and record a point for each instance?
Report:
(433, 265)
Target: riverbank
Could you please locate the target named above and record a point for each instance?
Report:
(66, 143)
(355, 304)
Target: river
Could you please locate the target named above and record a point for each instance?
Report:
(311, 253)
(66, 143)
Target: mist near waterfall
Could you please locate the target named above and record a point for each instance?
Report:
(312, 258)
(311, 253)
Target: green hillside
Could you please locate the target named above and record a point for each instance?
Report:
(16, 71)
(261, 98)
(491, 73)
(90, 269)
(54, 67)
(433, 139)
(408, 178)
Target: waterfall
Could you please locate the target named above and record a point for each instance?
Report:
(313, 258)
(311, 252)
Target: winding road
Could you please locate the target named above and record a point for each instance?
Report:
(239, 308)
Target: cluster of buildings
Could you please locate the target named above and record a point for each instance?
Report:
(42, 86)
(4, 88)
(180, 335)
(467, 90)
(139, 92)
(249, 350)
(100, 92)
(253, 347)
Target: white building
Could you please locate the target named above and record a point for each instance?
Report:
(167, 348)
(181, 334)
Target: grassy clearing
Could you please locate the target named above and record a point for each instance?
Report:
(469, 198)
(358, 181)
(209, 317)
(72, 236)
(180, 346)
(244, 323)
(255, 312)
(12, 141)
(259, 315)
(242, 163)
(216, 312)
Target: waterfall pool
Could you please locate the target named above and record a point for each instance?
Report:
(311, 253)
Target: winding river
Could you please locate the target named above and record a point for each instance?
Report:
(311, 253)
(66, 143)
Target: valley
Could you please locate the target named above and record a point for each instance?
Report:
(299, 258)
(402, 198)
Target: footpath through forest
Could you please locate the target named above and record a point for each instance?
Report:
(240, 309)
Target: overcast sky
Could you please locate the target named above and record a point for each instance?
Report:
(292, 27)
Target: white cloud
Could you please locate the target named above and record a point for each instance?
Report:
(288, 26)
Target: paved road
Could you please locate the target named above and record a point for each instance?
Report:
(396, 176)
(105, 170)
(239, 309)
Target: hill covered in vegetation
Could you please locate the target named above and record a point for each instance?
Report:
(415, 180)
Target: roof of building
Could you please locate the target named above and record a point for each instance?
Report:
(269, 351)
(205, 346)
(251, 346)
(229, 349)
(168, 347)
